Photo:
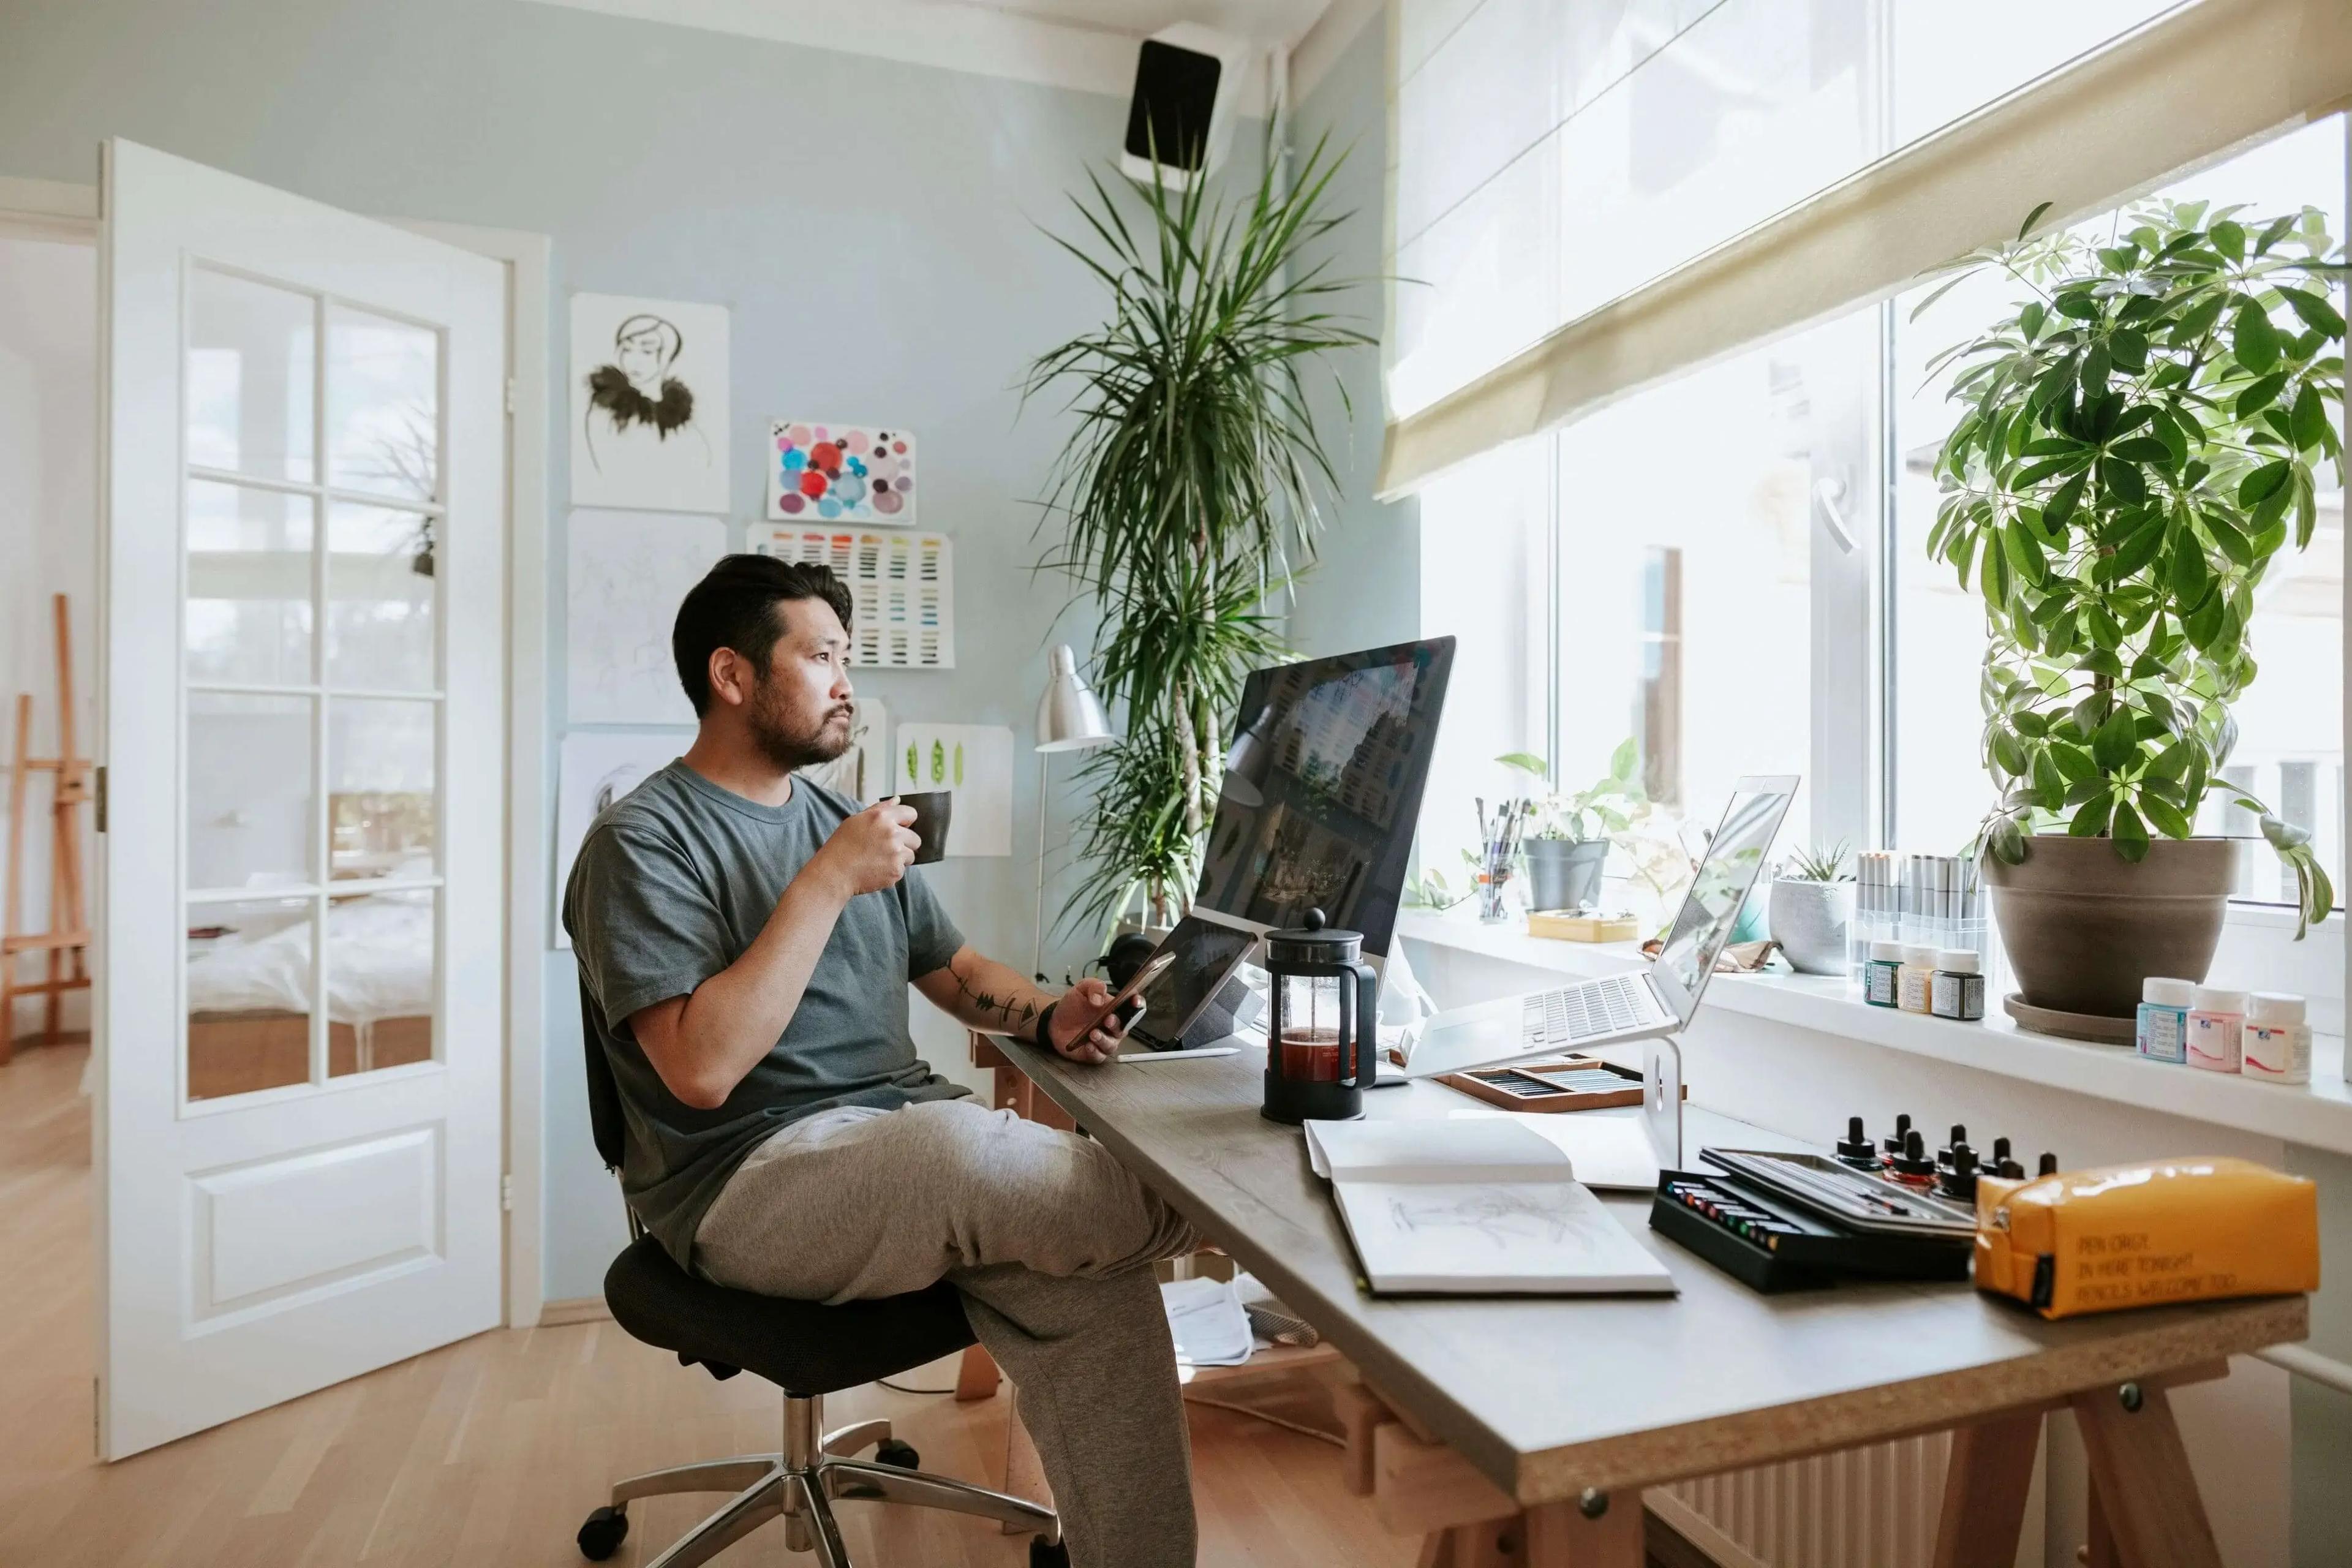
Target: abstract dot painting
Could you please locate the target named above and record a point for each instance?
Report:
(840, 473)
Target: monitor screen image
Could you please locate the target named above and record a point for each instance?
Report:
(1322, 789)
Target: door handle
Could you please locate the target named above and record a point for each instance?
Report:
(1828, 494)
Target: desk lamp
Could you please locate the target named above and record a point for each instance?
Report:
(1070, 718)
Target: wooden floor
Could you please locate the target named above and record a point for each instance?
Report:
(490, 1451)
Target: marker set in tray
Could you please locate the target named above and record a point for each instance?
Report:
(1790, 1221)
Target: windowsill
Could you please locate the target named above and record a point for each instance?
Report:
(2317, 1114)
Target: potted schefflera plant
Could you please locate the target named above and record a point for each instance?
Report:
(1811, 906)
(1567, 848)
(2139, 441)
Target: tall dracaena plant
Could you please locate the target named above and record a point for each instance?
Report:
(1188, 491)
(2140, 437)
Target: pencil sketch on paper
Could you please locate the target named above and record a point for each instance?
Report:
(595, 768)
(649, 403)
(1504, 1216)
(628, 575)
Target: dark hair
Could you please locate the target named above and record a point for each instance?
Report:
(735, 607)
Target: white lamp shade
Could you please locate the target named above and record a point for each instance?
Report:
(1070, 716)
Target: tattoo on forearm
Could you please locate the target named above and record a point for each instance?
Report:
(1016, 1016)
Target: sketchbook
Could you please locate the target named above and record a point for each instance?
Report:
(1476, 1206)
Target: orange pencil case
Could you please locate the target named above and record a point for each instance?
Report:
(2150, 1234)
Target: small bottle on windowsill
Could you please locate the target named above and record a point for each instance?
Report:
(2276, 1042)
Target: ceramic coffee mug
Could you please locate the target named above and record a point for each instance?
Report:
(933, 808)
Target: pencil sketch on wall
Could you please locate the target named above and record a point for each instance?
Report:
(626, 576)
(649, 404)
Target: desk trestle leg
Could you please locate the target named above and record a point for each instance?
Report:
(2145, 1510)
(2140, 1482)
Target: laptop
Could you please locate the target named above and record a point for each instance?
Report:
(1639, 1005)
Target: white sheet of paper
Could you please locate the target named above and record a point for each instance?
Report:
(594, 769)
(1503, 1238)
(1611, 1152)
(976, 761)
(654, 360)
(901, 587)
(628, 573)
(1206, 1321)
(1471, 1206)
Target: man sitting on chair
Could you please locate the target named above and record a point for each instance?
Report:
(746, 938)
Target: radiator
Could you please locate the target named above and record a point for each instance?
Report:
(1863, 1508)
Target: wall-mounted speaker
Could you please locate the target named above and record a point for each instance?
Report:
(1179, 116)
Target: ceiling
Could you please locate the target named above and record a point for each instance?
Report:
(1084, 44)
(1264, 22)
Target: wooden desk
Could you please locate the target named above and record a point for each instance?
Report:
(1715, 1379)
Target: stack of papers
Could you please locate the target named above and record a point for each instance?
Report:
(1206, 1317)
(1476, 1206)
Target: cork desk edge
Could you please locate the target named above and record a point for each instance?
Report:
(2049, 1360)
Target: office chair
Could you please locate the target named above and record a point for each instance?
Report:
(809, 1351)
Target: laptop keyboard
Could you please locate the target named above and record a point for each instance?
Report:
(1580, 1012)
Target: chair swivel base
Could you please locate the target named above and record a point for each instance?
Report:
(799, 1486)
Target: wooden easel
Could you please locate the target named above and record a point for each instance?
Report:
(66, 944)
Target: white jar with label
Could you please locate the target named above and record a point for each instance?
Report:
(2217, 1020)
(1915, 981)
(2275, 1043)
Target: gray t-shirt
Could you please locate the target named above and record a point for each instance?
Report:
(672, 884)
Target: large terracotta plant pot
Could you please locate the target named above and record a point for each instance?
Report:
(2082, 926)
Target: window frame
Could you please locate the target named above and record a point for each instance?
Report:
(1855, 669)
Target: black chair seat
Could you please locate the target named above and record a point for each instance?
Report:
(805, 1348)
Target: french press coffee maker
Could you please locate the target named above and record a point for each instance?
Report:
(1321, 1023)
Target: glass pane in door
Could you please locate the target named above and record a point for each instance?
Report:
(249, 999)
(383, 405)
(380, 598)
(252, 813)
(383, 788)
(383, 980)
(251, 368)
(248, 613)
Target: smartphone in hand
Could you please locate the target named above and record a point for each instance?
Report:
(1128, 1002)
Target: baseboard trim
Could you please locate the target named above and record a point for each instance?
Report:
(574, 1309)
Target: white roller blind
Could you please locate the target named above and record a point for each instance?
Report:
(1590, 197)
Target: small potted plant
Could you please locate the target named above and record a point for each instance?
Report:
(1812, 905)
(1568, 845)
(2139, 439)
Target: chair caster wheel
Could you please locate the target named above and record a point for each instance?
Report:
(902, 1455)
(1043, 1555)
(603, 1533)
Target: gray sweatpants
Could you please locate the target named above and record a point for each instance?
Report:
(1049, 1238)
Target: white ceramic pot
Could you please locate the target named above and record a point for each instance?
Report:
(1809, 920)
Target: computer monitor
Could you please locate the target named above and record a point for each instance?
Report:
(1322, 789)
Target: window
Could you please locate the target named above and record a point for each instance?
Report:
(1552, 157)
(1703, 567)
(2289, 751)
(1690, 570)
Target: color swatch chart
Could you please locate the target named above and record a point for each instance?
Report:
(902, 587)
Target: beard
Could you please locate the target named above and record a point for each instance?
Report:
(794, 741)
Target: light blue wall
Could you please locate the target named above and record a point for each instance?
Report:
(872, 226)
(1367, 591)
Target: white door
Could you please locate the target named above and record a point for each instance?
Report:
(298, 1008)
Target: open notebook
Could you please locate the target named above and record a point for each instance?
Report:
(1476, 1206)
